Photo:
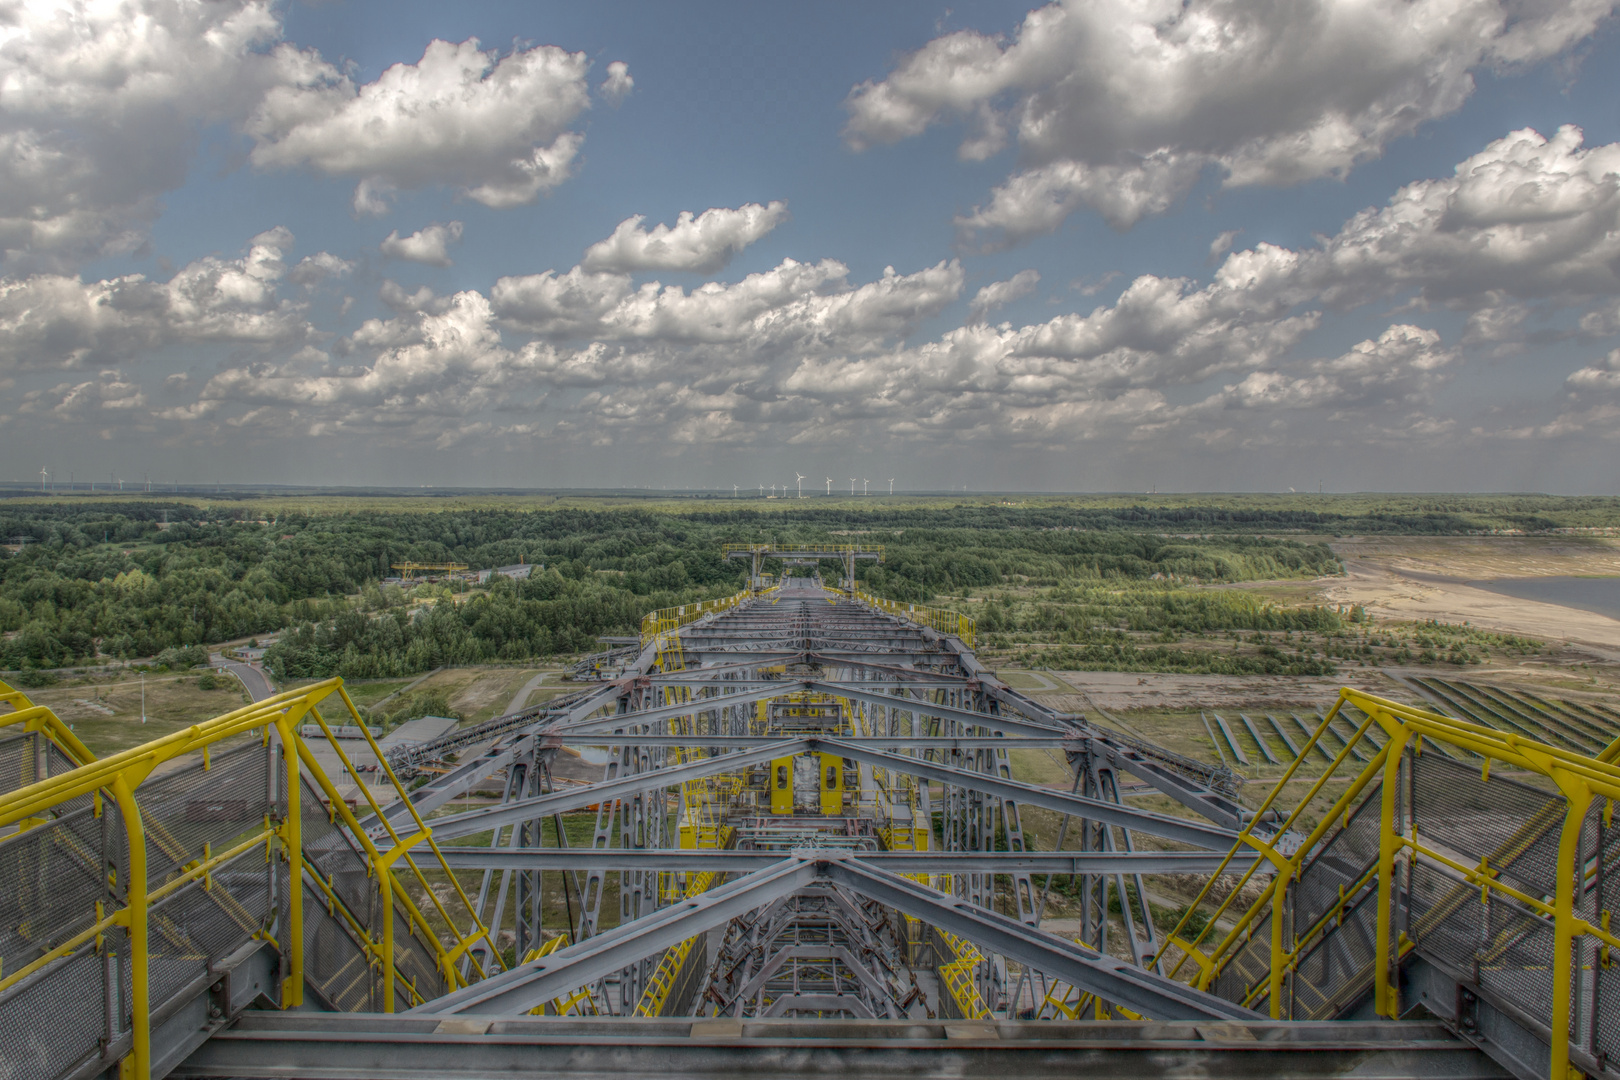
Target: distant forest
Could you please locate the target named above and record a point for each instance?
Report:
(83, 581)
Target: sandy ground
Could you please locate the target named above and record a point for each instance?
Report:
(1129, 690)
(1426, 578)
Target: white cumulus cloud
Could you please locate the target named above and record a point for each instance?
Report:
(999, 293)
(54, 320)
(496, 126)
(1120, 105)
(430, 245)
(618, 84)
(704, 243)
(101, 107)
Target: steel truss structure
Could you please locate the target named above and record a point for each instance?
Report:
(807, 833)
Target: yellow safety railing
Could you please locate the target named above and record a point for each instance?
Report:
(1583, 782)
(118, 780)
(946, 622)
(958, 976)
(662, 982)
(669, 620)
(575, 1001)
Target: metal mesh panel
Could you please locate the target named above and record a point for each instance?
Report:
(330, 852)
(55, 1020)
(337, 964)
(414, 960)
(196, 924)
(1338, 863)
(1606, 978)
(1250, 965)
(1339, 967)
(1513, 825)
(1515, 963)
(192, 806)
(50, 879)
(18, 762)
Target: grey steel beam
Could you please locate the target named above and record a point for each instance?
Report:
(900, 862)
(862, 692)
(819, 1003)
(531, 985)
(458, 781)
(1115, 981)
(476, 821)
(1198, 834)
(357, 1046)
(897, 742)
(696, 705)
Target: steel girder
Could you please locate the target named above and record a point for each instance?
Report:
(891, 742)
(476, 821)
(530, 985)
(1114, 980)
(1198, 834)
(691, 860)
(1201, 835)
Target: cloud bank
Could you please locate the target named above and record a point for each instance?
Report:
(1121, 107)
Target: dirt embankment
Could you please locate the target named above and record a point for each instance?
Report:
(1428, 578)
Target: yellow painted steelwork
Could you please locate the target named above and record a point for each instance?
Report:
(946, 622)
(668, 620)
(782, 785)
(832, 785)
(1581, 780)
(119, 778)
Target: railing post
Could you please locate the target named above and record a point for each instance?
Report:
(292, 988)
(140, 1004)
(1279, 965)
(1385, 995)
(385, 886)
(1578, 798)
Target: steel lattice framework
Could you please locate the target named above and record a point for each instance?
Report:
(807, 839)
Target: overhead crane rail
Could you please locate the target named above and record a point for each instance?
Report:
(808, 799)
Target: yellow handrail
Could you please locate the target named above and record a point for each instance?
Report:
(945, 621)
(119, 777)
(668, 620)
(1580, 779)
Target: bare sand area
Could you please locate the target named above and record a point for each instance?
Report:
(1419, 577)
(1127, 690)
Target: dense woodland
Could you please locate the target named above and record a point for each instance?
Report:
(84, 581)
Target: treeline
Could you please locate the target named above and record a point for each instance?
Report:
(541, 616)
(97, 581)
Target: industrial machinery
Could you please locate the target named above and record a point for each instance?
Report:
(807, 851)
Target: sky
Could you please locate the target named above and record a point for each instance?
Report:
(1114, 245)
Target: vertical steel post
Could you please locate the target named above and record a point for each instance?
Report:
(1385, 996)
(140, 1004)
(292, 988)
(385, 889)
(1579, 799)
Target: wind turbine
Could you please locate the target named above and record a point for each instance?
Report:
(42, 475)
(762, 491)
(852, 486)
(801, 483)
(863, 486)
(829, 485)
(891, 485)
(733, 491)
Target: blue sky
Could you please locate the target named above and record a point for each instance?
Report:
(1211, 246)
